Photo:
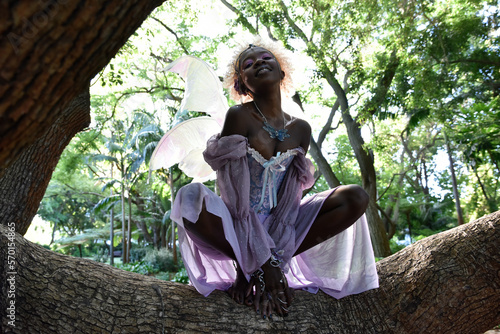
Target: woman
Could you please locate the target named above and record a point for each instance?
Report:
(260, 224)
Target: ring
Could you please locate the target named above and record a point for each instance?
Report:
(284, 309)
(282, 302)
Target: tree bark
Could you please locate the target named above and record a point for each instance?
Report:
(24, 182)
(446, 283)
(49, 51)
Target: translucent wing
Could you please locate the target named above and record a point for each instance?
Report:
(203, 91)
(185, 142)
(184, 145)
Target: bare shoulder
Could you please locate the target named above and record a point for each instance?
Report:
(302, 125)
(304, 129)
(236, 122)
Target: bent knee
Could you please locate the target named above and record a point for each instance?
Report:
(192, 194)
(356, 197)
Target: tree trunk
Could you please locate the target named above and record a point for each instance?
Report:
(445, 283)
(365, 160)
(397, 200)
(144, 229)
(378, 234)
(49, 51)
(141, 225)
(456, 195)
(23, 183)
(129, 226)
(111, 227)
(124, 238)
(164, 238)
(323, 165)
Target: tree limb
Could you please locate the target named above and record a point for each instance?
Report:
(445, 283)
(71, 44)
(315, 151)
(241, 17)
(292, 24)
(383, 85)
(173, 33)
(328, 125)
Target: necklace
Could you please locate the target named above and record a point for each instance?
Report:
(274, 133)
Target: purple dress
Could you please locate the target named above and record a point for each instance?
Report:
(262, 211)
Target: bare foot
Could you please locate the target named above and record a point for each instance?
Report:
(239, 290)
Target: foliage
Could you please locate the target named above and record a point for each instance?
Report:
(139, 253)
(396, 244)
(411, 73)
(160, 260)
(102, 255)
(140, 267)
(181, 276)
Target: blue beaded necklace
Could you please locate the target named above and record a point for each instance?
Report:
(274, 133)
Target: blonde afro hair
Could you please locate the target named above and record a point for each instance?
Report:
(280, 53)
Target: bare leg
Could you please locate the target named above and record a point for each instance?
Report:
(340, 210)
(209, 229)
(241, 290)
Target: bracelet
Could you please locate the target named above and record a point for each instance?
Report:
(275, 260)
(260, 277)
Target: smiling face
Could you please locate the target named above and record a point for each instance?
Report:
(233, 80)
(258, 68)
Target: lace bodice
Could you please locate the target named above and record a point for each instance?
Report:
(266, 177)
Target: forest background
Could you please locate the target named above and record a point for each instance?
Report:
(402, 97)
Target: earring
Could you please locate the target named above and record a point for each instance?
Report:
(240, 89)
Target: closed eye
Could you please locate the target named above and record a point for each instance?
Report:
(267, 56)
(247, 64)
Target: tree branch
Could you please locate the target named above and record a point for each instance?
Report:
(292, 24)
(383, 85)
(444, 282)
(328, 125)
(389, 186)
(241, 17)
(476, 61)
(173, 33)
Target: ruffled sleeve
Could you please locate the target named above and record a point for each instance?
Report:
(228, 156)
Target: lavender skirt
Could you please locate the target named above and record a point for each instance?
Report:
(340, 266)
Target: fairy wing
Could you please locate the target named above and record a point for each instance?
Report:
(203, 90)
(185, 142)
(184, 145)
